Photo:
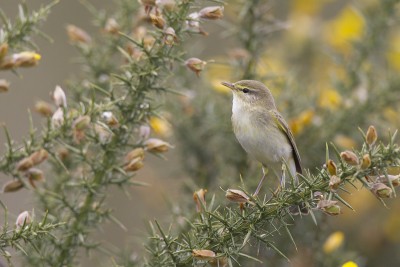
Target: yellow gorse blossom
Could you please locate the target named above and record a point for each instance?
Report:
(350, 264)
(393, 53)
(330, 99)
(307, 7)
(333, 242)
(298, 123)
(346, 27)
(160, 126)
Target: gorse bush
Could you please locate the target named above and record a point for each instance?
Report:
(332, 68)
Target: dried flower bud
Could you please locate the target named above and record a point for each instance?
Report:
(393, 179)
(81, 123)
(148, 5)
(157, 20)
(57, 120)
(44, 108)
(331, 166)
(349, 157)
(334, 182)
(381, 190)
(77, 35)
(39, 156)
(62, 153)
(237, 196)
(137, 153)
(26, 59)
(371, 135)
(330, 207)
(366, 162)
(3, 50)
(199, 197)
(25, 164)
(157, 145)
(12, 186)
(193, 23)
(196, 65)
(7, 63)
(170, 37)
(212, 12)
(110, 119)
(23, 219)
(111, 26)
(59, 97)
(104, 134)
(134, 165)
(4, 86)
(203, 254)
(168, 5)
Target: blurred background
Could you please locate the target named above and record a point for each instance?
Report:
(332, 66)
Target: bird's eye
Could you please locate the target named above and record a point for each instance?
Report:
(246, 90)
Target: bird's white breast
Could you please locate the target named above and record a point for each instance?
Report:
(266, 143)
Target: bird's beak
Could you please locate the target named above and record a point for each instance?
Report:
(229, 85)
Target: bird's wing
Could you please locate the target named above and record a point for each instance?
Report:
(282, 125)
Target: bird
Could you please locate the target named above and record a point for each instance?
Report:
(262, 131)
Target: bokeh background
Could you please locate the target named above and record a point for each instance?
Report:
(332, 66)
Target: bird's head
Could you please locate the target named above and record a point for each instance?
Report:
(251, 92)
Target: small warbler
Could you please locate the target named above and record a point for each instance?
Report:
(262, 131)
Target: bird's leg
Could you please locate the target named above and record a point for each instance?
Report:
(261, 181)
(283, 177)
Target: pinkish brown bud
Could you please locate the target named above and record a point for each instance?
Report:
(44, 108)
(134, 154)
(331, 166)
(81, 123)
(334, 182)
(12, 186)
(212, 12)
(4, 86)
(203, 254)
(111, 26)
(381, 190)
(349, 157)
(237, 196)
(366, 162)
(157, 145)
(170, 36)
(39, 156)
(199, 197)
(23, 219)
(387, 179)
(134, 165)
(26, 59)
(57, 120)
(144, 131)
(157, 20)
(77, 35)
(371, 135)
(329, 207)
(59, 97)
(196, 65)
(24, 164)
(148, 42)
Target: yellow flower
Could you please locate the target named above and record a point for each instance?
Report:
(330, 99)
(346, 27)
(308, 7)
(393, 54)
(333, 242)
(160, 126)
(302, 120)
(350, 264)
(344, 141)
